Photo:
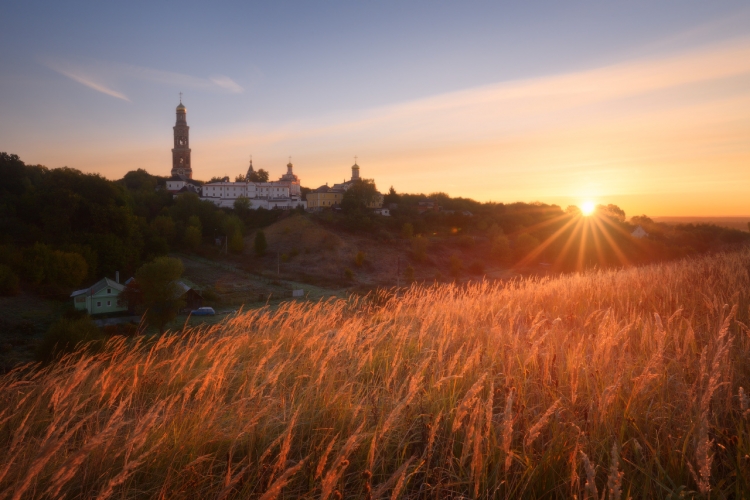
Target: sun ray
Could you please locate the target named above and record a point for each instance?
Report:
(546, 243)
(582, 245)
(612, 243)
(577, 229)
(597, 242)
(541, 225)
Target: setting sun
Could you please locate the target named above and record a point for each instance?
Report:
(587, 208)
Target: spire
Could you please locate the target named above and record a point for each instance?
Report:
(355, 170)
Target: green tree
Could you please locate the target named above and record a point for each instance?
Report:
(242, 206)
(359, 196)
(260, 244)
(407, 230)
(161, 292)
(163, 226)
(259, 175)
(236, 242)
(192, 238)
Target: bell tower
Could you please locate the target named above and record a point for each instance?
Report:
(181, 152)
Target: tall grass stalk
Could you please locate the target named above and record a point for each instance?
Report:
(627, 382)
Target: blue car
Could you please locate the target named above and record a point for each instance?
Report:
(204, 311)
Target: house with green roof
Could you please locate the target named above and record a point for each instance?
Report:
(100, 298)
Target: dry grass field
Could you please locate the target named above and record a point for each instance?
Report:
(609, 384)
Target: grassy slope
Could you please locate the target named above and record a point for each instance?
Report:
(547, 388)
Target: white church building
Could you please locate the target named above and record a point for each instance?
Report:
(284, 193)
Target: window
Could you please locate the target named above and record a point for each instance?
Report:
(109, 303)
(98, 304)
(109, 290)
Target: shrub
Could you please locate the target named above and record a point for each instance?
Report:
(65, 334)
(236, 243)
(284, 257)
(294, 252)
(260, 245)
(349, 274)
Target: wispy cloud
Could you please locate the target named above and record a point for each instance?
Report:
(676, 123)
(227, 83)
(87, 80)
(102, 76)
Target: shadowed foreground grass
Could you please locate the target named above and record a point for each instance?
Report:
(616, 383)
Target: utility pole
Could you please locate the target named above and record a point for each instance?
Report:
(278, 264)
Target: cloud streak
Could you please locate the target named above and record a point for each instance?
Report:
(94, 75)
(673, 124)
(87, 81)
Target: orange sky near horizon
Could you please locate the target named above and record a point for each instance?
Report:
(662, 136)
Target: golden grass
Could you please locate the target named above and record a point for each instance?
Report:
(628, 383)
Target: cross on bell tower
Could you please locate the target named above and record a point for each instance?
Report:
(181, 152)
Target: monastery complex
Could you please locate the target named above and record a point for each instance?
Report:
(284, 193)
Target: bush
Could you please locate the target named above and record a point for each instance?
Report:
(349, 274)
(65, 334)
(260, 245)
(9, 283)
(284, 257)
(236, 243)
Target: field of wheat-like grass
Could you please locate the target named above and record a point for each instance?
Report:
(615, 384)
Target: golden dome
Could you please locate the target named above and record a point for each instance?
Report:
(181, 107)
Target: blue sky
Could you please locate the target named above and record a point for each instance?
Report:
(432, 96)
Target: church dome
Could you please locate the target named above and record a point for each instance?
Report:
(181, 107)
(355, 166)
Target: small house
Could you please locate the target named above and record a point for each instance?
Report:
(100, 298)
(192, 297)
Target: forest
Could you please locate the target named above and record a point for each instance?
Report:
(61, 228)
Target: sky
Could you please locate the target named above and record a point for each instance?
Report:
(642, 104)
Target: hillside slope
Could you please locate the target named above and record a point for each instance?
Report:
(632, 381)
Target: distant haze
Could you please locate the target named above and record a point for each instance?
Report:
(644, 105)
